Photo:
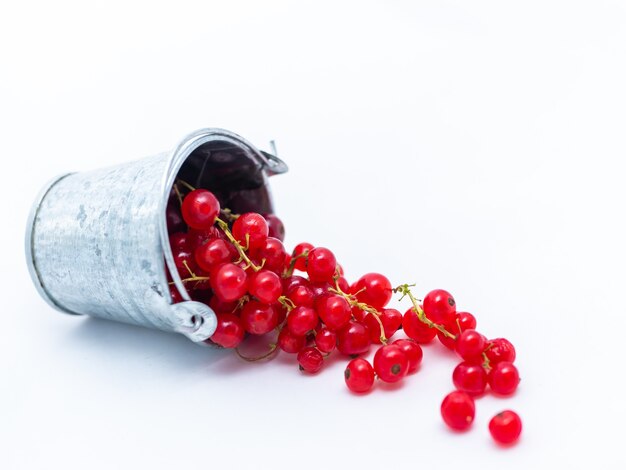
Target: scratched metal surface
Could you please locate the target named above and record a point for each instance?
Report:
(94, 241)
(96, 244)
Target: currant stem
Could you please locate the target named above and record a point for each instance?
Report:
(352, 300)
(178, 195)
(272, 350)
(292, 263)
(242, 252)
(186, 185)
(405, 290)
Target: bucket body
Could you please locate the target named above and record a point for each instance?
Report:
(97, 242)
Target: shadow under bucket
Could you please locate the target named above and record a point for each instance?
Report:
(97, 242)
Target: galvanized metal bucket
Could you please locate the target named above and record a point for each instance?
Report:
(97, 242)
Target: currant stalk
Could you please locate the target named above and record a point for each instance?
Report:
(405, 290)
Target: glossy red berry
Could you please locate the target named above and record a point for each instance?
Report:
(179, 241)
(505, 427)
(289, 342)
(276, 228)
(500, 350)
(458, 410)
(448, 341)
(470, 345)
(353, 339)
(213, 253)
(271, 254)
(229, 282)
(310, 360)
(229, 332)
(301, 296)
(470, 377)
(321, 265)
(440, 307)
(416, 329)
(390, 363)
(359, 375)
(301, 251)
(391, 320)
(334, 311)
(200, 209)
(294, 281)
(326, 340)
(185, 263)
(464, 321)
(258, 318)
(301, 320)
(250, 229)
(265, 286)
(413, 352)
(504, 378)
(373, 289)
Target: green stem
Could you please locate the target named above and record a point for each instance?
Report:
(405, 290)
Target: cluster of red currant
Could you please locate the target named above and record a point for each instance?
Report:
(238, 265)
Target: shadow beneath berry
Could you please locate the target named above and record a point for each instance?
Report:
(140, 348)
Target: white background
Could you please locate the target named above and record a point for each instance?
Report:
(475, 146)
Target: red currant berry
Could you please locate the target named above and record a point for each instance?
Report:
(470, 345)
(390, 363)
(213, 253)
(301, 251)
(343, 284)
(326, 340)
(321, 265)
(505, 427)
(229, 282)
(173, 217)
(440, 307)
(179, 241)
(271, 253)
(301, 296)
(373, 289)
(413, 353)
(464, 321)
(334, 311)
(458, 410)
(294, 281)
(301, 320)
(320, 289)
(391, 320)
(500, 350)
(185, 263)
(289, 342)
(250, 229)
(504, 378)
(448, 341)
(265, 286)
(353, 339)
(176, 297)
(219, 306)
(229, 332)
(310, 360)
(470, 378)
(258, 318)
(276, 228)
(200, 237)
(200, 208)
(359, 375)
(416, 329)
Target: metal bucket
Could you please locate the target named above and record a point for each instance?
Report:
(97, 242)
